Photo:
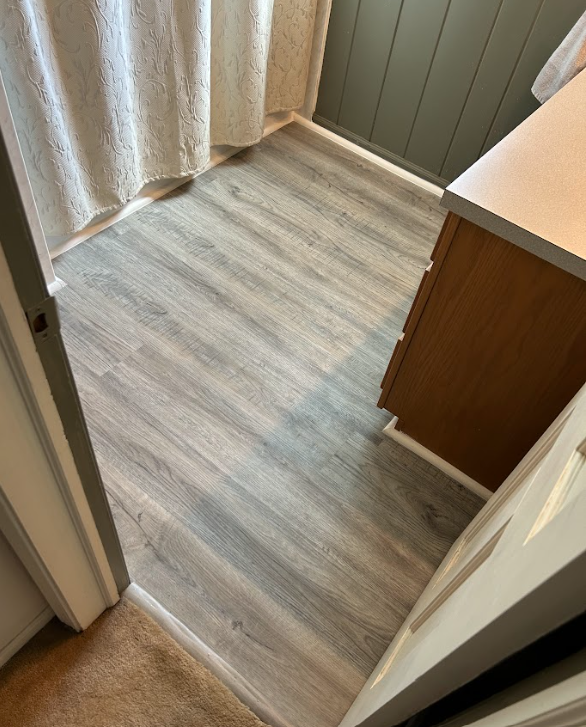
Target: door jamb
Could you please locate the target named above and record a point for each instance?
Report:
(18, 222)
(44, 512)
(16, 160)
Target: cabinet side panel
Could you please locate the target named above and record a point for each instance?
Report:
(499, 350)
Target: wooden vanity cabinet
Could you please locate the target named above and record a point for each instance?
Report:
(492, 350)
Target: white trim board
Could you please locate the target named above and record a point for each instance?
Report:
(196, 648)
(404, 440)
(44, 512)
(56, 286)
(16, 644)
(368, 155)
(8, 131)
(154, 190)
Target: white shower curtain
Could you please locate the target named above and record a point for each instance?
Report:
(108, 95)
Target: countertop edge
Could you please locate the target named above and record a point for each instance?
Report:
(543, 249)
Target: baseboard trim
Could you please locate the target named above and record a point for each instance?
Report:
(56, 286)
(25, 635)
(155, 190)
(375, 154)
(463, 479)
(206, 656)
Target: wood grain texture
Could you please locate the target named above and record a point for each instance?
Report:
(228, 342)
(420, 300)
(495, 350)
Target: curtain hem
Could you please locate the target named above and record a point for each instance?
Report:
(147, 180)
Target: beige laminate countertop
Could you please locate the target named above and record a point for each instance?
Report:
(531, 187)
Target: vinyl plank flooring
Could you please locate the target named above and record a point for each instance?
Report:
(228, 343)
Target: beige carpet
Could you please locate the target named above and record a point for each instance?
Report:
(124, 671)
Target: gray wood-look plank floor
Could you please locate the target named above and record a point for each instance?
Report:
(228, 343)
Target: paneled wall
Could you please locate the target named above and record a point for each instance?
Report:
(433, 84)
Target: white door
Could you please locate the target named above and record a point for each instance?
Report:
(517, 572)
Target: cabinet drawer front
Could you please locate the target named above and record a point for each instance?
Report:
(394, 357)
(445, 237)
(496, 351)
(423, 292)
(418, 295)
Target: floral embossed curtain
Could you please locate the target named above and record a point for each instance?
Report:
(108, 95)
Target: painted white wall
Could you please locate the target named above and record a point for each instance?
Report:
(23, 610)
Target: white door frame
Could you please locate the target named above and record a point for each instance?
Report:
(44, 513)
(26, 194)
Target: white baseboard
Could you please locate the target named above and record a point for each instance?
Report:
(206, 656)
(25, 635)
(448, 469)
(56, 285)
(154, 190)
(365, 154)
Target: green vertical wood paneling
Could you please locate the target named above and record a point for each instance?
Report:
(436, 83)
(417, 34)
(552, 25)
(373, 37)
(461, 45)
(506, 43)
(336, 55)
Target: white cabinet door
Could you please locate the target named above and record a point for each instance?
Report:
(517, 572)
